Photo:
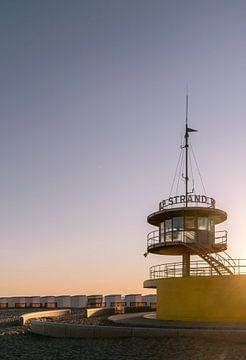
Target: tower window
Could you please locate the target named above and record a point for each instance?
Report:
(211, 225)
(162, 232)
(189, 222)
(168, 225)
(202, 223)
(178, 223)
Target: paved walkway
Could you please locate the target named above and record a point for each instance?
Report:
(149, 320)
(14, 345)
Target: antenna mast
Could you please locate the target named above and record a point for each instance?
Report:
(186, 153)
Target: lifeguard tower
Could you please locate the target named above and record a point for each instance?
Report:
(213, 286)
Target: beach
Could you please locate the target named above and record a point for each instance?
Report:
(17, 343)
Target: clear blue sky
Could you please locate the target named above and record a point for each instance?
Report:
(92, 113)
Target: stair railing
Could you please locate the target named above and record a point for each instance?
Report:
(220, 264)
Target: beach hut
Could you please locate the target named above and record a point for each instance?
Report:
(3, 303)
(20, 302)
(33, 301)
(48, 302)
(95, 301)
(133, 300)
(113, 301)
(149, 300)
(11, 301)
(63, 301)
(78, 301)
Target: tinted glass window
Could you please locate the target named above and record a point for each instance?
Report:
(202, 223)
(189, 222)
(178, 236)
(168, 225)
(169, 237)
(178, 223)
(211, 225)
(162, 229)
(189, 236)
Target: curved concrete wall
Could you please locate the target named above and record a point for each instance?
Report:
(93, 312)
(209, 299)
(82, 331)
(42, 314)
(90, 331)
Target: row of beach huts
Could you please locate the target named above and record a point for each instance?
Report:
(78, 301)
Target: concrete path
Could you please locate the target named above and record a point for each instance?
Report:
(149, 320)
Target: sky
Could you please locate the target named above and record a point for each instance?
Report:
(92, 112)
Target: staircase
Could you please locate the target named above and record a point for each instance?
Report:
(222, 265)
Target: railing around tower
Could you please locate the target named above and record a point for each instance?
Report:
(182, 236)
(197, 268)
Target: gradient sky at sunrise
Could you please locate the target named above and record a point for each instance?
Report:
(92, 113)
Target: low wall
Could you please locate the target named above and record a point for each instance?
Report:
(42, 314)
(89, 331)
(93, 312)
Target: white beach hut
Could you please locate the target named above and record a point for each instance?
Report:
(3, 303)
(78, 301)
(149, 300)
(113, 301)
(20, 302)
(133, 300)
(63, 301)
(33, 302)
(48, 302)
(95, 301)
(11, 301)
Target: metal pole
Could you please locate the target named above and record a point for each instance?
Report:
(186, 264)
(186, 257)
(186, 153)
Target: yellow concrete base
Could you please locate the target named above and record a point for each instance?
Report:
(207, 299)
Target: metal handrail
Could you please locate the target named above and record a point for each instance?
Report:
(225, 260)
(228, 261)
(229, 258)
(219, 263)
(197, 268)
(223, 237)
(153, 238)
